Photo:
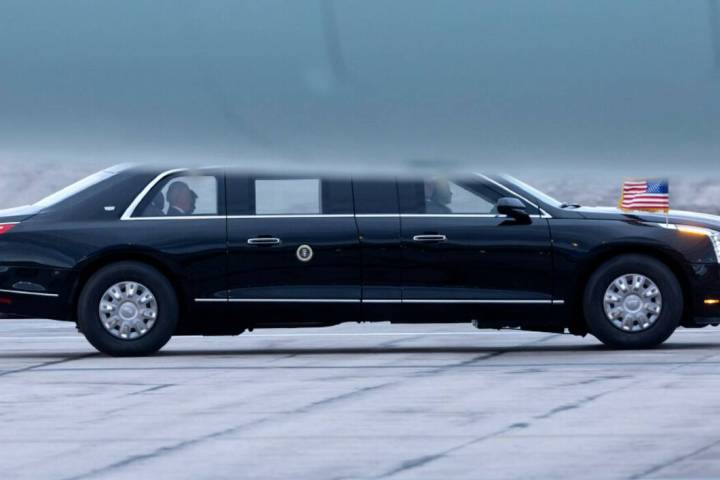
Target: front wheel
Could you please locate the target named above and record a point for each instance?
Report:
(633, 301)
(127, 309)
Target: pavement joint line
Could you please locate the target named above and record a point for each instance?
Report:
(673, 461)
(46, 364)
(421, 461)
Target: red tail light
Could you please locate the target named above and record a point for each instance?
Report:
(6, 227)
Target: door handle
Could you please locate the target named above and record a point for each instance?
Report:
(430, 238)
(263, 241)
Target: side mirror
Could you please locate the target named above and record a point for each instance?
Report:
(512, 207)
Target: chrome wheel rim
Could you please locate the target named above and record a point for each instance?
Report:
(128, 310)
(632, 302)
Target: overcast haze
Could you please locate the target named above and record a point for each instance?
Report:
(632, 86)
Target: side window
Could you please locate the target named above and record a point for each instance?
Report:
(266, 195)
(182, 196)
(378, 196)
(280, 196)
(442, 196)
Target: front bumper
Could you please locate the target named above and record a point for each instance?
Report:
(704, 287)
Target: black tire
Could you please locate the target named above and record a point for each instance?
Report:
(672, 302)
(90, 324)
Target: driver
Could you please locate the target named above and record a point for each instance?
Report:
(181, 199)
(438, 196)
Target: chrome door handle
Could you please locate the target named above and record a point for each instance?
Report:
(263, 241)
(430, 238)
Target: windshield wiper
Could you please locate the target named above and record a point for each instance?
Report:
(570, 205)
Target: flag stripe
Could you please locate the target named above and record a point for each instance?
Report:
(645, 195)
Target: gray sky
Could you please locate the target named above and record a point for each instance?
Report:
(515, 85)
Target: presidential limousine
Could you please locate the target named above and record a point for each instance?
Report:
(135, 255)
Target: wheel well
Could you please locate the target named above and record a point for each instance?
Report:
(91, 268)
(577, 317)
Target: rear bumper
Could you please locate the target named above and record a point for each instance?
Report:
(36, 292)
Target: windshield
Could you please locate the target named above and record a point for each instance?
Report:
(79, 186)
(543, 197)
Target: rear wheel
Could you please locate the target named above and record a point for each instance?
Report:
(128, 308)
(633, 301)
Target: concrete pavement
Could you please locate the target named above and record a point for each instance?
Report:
(358, 402)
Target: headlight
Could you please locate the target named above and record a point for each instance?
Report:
(713, 235)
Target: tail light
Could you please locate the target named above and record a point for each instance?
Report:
(6, 227)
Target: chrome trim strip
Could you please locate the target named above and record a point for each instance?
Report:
(127, 214)
(436, 215)
(300, 215)
(9, 223)
(191, 217)
(381, 300)
(375, 300)
(294, 300)
(451, 215)
(333, 215)
(25, 292)
(413, 300)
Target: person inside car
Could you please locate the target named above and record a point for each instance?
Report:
(181, 199)
(438, 196)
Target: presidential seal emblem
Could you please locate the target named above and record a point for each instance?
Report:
(304, 253)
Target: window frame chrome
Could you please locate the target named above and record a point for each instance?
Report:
(129, 212)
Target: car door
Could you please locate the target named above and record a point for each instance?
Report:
(180, 221)
(378, 221)
(293, 250)
(462, 258)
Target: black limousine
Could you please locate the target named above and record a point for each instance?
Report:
(135, 255)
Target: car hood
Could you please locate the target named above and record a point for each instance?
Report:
(674, 216)
(18, 214)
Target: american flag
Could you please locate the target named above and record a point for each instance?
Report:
(652, 195)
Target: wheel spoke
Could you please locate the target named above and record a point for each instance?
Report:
(612, 297)
(652, 307)
(111, 322)
(628, 322)
(107, 307)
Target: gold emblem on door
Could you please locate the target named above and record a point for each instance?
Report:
(304, 253)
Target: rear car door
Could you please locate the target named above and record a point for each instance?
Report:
(462, 258)
(378, 221)
(293, 250)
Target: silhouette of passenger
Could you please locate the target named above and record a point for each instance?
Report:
(438, 196)
(181, 198)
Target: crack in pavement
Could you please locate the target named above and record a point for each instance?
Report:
(305, 409)
(47, 364)
(671, 462)
(426, 459)
(164, 450)
(133, 459)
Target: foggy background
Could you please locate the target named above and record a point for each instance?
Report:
(572, 95)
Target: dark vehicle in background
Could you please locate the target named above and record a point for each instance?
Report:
(135, 255)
